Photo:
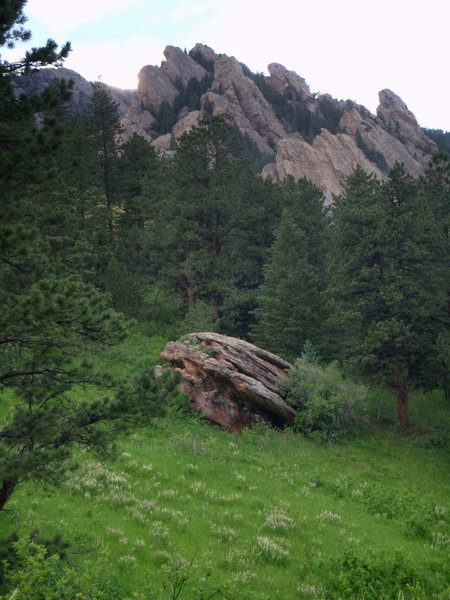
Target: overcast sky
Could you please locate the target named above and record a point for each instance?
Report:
(348, 48)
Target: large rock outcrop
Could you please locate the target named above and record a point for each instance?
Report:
(280, 120)
(308, 135)
(232, 381)
(243, 104)
(284, 81)
(37, 82)
(325, 162)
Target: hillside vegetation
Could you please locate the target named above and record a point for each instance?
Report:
(187, 507)
(110, 487)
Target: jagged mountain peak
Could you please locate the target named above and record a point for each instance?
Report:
(282, 124)
(299, 133)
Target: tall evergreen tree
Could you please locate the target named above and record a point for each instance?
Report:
(201, 230)
(50, 318)
(435, 187)
(286, 316)
(385, 282)
(105, 129)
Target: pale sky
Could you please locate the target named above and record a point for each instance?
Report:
(350, 49)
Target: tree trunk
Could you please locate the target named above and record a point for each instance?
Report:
(189, 291)
(6, 489)
(402, 395)
(215, 305)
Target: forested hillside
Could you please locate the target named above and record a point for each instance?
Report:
(101, 238)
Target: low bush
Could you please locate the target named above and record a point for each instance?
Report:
(323, 398)
(36, 574)
(382, 576)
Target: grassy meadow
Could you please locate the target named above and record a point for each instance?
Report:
(190, 511)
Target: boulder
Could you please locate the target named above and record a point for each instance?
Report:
(231, 381)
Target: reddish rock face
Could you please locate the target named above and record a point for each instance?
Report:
(231, 381)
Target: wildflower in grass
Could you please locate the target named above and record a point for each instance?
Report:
(441, 539)
(123, 540)
(148, 505)
(136, 514)
(329, 516)
(270, 550)
(288, 478)
(147, 467)
(128, 559)
(239, 477)
(237, 556)
(158, 529)
(310, 590)
(169, 493)
(223, 533)
(196, 486)
(126, 454)
(115, 531)
(192, 468)
(161, 557)
(139, 543)
(175, 515)
(243, 576)
(231, 498)
(278, 520)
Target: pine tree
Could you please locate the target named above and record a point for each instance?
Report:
(105, 129)
(286, 315)
(385, 283)
(435, 188)
(50, 318)
(201, 221)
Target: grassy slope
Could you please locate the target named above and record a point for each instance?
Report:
(261, 515)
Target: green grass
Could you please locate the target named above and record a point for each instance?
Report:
(263, 515)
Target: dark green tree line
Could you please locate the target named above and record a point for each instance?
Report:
(387, 279)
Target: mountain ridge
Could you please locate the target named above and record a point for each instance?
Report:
(286, 126)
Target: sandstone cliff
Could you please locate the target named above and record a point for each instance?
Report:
(300, 133)
(281, 122)
(35, 83)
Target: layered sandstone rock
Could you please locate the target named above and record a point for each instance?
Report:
(155, 87)
(180, 68)
(283, 81)
(238, 98)
(276, 123)
(37, 82)
(326, 162)
(231, 381)
(401, 122)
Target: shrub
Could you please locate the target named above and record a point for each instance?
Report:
(41, 576)
(323, 399)
(381, 576)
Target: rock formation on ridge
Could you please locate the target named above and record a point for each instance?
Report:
(292, 130)
(302, 134)
(232, 381)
